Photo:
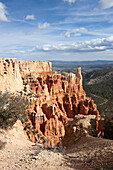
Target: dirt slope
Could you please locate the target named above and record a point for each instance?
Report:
(16, 152)
(90, 153)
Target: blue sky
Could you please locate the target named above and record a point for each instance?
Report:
(56, 30)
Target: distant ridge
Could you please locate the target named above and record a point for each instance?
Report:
(83, 62)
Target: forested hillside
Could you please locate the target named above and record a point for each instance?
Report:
(98, 84)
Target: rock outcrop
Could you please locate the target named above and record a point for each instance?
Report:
(81, 126)
(35, 66)
(10, 77)
(57, 100)
(11, 72)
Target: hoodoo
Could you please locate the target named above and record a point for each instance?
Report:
(58, 101)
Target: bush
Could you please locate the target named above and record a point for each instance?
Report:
(12, 108)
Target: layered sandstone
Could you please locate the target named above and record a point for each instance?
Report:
(10, 77)
(35, 66)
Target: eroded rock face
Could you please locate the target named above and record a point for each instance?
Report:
(12, 71)
(10, 77)
(59, 101)
(35, 66)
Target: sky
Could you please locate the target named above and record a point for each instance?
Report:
(70, 30)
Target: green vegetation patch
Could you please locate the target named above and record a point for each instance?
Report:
(12, 108)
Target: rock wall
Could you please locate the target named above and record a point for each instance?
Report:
(10, 77)
(12, 71)
(35, 66)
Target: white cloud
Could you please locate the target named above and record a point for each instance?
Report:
(43, 26)
(3, 13)
(94, 49)
(76, 32)
(95, 45)
(30, 17)
(70, 1)
(104, 4)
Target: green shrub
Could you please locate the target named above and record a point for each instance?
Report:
(12, 108)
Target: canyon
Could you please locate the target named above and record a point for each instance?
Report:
(58, 98)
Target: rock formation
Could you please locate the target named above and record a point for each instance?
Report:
(34, 66)
(57, 101)
(11, 72)
(82, 125)
(10, 77)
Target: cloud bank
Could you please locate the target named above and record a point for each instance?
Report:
(95, 45)
(94, 49)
